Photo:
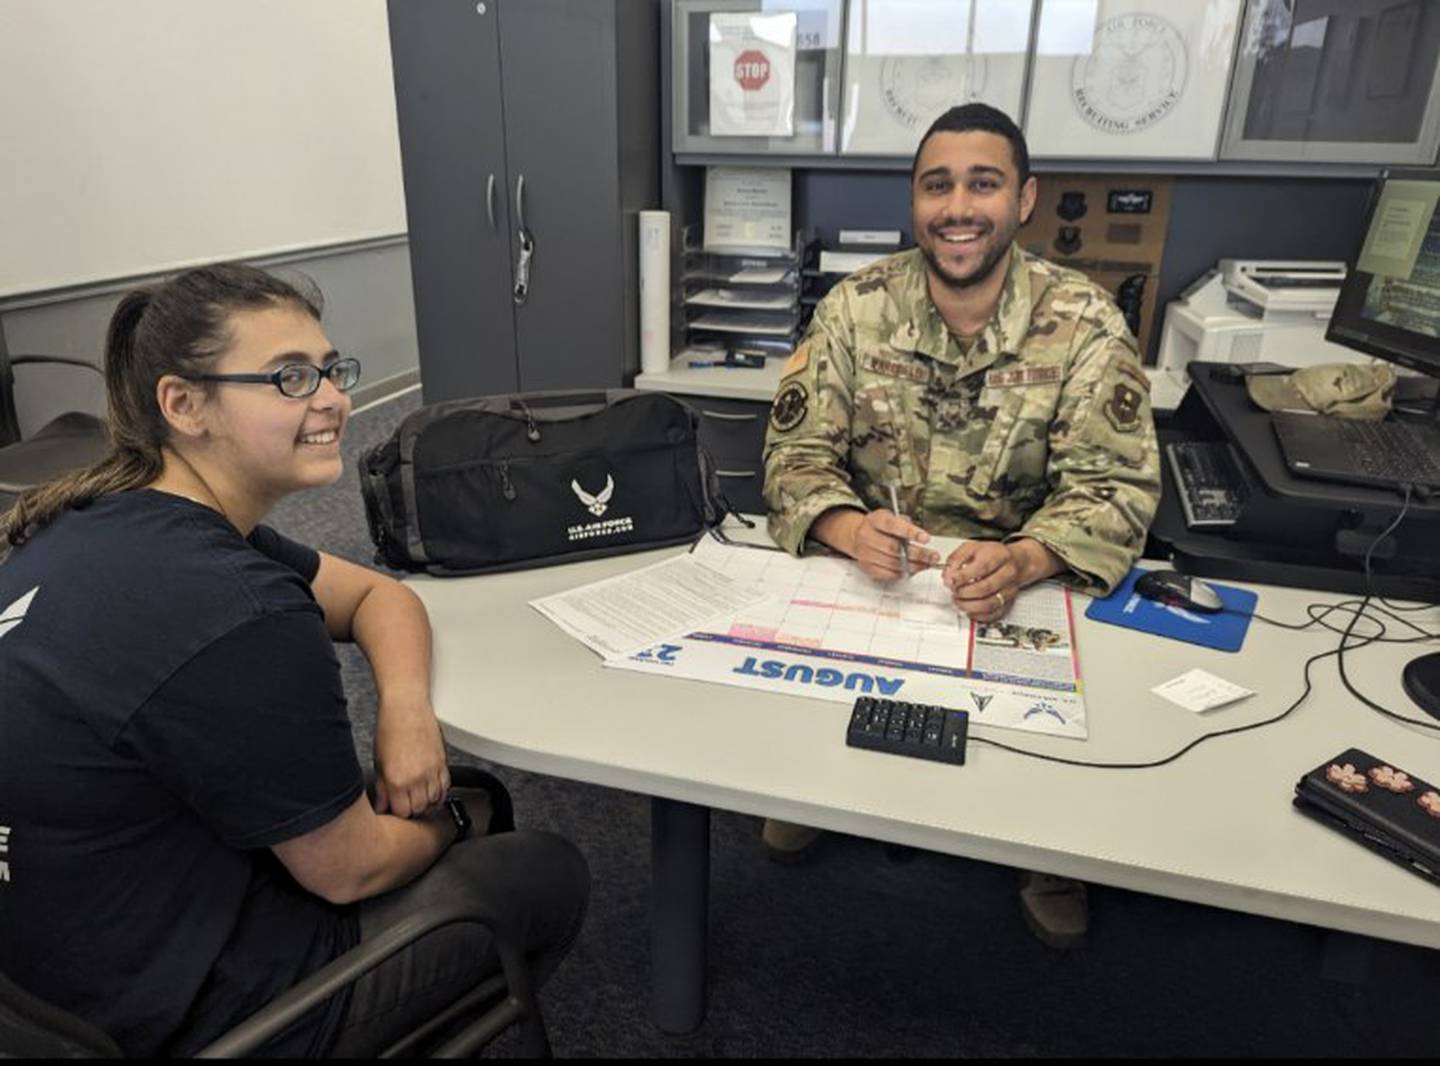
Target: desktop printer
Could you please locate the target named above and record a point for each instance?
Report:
(1248, 310)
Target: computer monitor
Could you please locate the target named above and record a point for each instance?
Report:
(1389, 306)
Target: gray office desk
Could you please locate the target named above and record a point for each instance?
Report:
(1215, 827)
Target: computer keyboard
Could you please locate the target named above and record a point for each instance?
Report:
(1389, 450)
(1211, 487)
(920, 730)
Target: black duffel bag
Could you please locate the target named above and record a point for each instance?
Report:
(529, 479)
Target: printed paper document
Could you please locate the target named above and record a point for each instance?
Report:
(626, 614)
(827, 631)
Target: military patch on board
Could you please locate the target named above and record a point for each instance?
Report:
(1067, 241)
(1123, 408)
(790, 407)
(1071, 206)
(1128, 202)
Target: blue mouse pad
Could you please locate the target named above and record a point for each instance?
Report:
(1225, 630)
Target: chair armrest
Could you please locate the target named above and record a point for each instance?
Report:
(21, 360)
(277, 1015)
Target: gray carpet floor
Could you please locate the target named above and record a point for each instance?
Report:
(854, 954)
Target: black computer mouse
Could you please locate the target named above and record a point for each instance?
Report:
(1175, 589)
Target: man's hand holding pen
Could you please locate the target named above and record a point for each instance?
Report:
(873, 539)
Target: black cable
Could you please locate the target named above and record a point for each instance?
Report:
(1355, 609)
(1169, 758)
(1369, 582)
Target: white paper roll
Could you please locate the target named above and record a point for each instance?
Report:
(654, 291)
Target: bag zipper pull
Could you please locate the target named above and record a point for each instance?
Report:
(532, 431)
(507, 487)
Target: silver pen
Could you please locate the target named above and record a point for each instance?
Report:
(904, 544)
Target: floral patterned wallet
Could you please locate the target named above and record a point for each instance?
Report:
(1378, 805)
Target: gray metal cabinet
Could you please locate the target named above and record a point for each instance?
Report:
(526, 122)
(733, 431)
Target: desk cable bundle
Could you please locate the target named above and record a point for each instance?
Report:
(1318, 613)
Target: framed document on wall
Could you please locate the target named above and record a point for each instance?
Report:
(908, 61)
(752, 74)
(756, 77)
(1130, 79)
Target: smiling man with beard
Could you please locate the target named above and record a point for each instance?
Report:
(1000, 395)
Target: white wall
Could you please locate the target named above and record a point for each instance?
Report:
(143, 135)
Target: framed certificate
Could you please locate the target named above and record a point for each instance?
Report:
(1130, 79)
(908, 61)
(747, 209)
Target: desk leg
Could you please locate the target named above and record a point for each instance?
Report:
(679, 908)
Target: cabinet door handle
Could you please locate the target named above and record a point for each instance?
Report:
(520, 200)
(522, 266)
(736, 473)
(727, 417)
(490, 201)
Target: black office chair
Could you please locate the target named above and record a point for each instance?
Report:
(31, 1028)
(67, 442)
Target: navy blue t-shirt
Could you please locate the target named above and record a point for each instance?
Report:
(170, 707)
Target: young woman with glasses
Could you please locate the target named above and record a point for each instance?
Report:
(188, 832)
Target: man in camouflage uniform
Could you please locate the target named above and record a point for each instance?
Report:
(1002, 397)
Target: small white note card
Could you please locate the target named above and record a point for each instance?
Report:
(1198, 690)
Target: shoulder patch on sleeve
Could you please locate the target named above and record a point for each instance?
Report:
(790, 407)
(1123, 408)
(797, 362)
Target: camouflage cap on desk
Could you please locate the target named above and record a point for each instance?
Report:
(1344, 390)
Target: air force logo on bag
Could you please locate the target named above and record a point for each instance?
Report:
(597, 505)
(13, 615)
(600, 500)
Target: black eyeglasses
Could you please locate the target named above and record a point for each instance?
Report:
(297, 380)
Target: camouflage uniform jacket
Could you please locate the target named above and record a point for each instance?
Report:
(1042, 429)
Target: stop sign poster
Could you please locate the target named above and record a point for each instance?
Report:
(752, 75)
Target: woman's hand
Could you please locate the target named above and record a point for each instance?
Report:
(411, 776)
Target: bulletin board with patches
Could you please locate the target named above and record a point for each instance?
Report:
(1111, 229)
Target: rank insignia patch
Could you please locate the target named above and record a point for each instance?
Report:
(1123, 409)
(790, 407)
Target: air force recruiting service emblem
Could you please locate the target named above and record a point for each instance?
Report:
(1134, 75)
(917, 88)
